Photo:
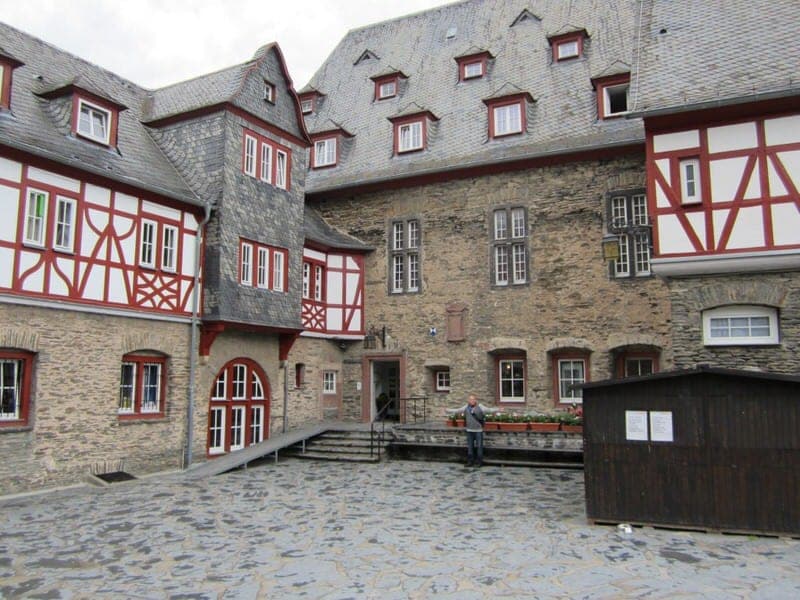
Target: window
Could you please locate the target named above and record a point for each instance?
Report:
(318, 270)
(629, 220)
(472, 69)
(266, 162)
(307, 106)
(239, 409)
(325, 152)
(16, 369)
(65, 224)
(441, 380)
(306, 280)
(142, 385)
(35, 217)
(569, 369)
(169, 249)
(262, 271)
(567, 49)
(511, 379)
(247, 264)
(147, 246)
(280, 169)
(638, 367)
(509, 246)
(277, 270)
(250, 155)
(299, 374)
(506, 119)
(386, 88)
(329, 382)
(740, 325)
(404, 265)
(269, 92)
(690, 181)
(409, 136)
(3, 99)
(612, 95)
(94, 122)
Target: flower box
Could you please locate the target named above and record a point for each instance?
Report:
(544, 426)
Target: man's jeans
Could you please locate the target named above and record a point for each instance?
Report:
(475, 447)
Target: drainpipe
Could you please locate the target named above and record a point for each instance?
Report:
(285, 394)
(193, 338)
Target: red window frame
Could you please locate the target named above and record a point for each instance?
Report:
(507, 101)
(498, 383)
(24, 400)
(568, 355)
(140, 360)
(260, 139)
(379, 81)
(113, 118)
(622, 357)
(313, 265)
(601, 85)
(556, 41)
(463, 61)
(5, 81)
(323, 138)
(254, 254)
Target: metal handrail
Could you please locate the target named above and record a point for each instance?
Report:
(381, 434)
(414, 412)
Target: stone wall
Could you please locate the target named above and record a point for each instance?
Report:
(524, 440)
(73, 427)
(569, 302)
(691, 296)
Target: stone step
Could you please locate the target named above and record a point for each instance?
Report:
(337, 449)
(532, 463)
(324, 441)
(338, 456)
(350, 435)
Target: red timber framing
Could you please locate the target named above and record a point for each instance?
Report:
(740, 189)
(340, 311)
(103, 265)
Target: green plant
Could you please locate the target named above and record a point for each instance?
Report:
(543, 419)
(569, 419)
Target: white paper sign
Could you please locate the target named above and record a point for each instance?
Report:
(636, 425)
(661, 426)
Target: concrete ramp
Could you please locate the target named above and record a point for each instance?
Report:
(234, 460)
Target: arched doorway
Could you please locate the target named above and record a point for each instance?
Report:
(238, 411)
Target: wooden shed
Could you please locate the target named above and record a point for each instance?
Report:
(712, 449)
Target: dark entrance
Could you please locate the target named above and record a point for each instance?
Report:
(385, 390)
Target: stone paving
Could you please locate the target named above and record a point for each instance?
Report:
(302, 529)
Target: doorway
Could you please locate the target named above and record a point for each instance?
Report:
(385, 390)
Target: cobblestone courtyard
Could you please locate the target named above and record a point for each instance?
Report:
(394, 530)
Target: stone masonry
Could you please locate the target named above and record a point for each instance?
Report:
(570, 301)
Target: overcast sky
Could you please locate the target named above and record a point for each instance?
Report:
(158, 42)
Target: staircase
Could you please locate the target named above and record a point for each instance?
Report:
(340, 444)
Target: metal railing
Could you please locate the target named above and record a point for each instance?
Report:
(374, 432)
(410, 409)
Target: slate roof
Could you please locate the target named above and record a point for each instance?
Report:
(36, 125)
(318, 230)
(563, 118)
(717, 53)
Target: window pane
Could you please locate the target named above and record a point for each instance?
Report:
(146, 254)
(639, 207)
(501, 265)
(247, 264)
(280, 173)
(151, 385)
(512, 380)
(619, 211)
(10, 389)
(216, 429)
(571, 372)
(398, 236)
(256, 389)
(413, 272)
(263, 267)
(277, 274)
(256, 424)
(622, 265)
(126, 387)
(220, 387)
(34, 223)
(266, 163)
(642, 249)
(520, 263)
(64, 223)
(169, 250)
(239, 381)
(413, 234)
(518, 222)
(397, 270)
(500, 225)
(318, 283)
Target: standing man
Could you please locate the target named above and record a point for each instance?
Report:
(475, 417)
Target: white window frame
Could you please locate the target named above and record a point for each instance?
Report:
(329, 382)
(169, 248)
(691, 192)
(509, 249)
(567, 49)
(472, 69)
(318, 283)
(148, 244)
(266, 162)
(277, 270)
(250, 145)
(221, 387)
(39, 221)
(387, 89)
(237, 429)
(262, 269)
(307, 280)
(573, 395)
(269, 92)
(246, 263)
(615, 88)
(740, 317)
(256, 424)
(507, 119)
(512, 379)
(405, 259)
(216, 442)
(409, 136)
(239, 381)
(67, 244)
(325, 152)
(441, 379)
(282, 161)
(152, 385)
(398, 273)
(93, 111)
(622, 265)
(307, 106)
(127, 384)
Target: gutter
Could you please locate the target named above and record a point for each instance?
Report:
(685, 108)
(193, 354)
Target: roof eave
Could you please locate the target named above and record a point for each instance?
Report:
(719, 103)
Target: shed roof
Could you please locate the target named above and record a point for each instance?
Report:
(699, 370)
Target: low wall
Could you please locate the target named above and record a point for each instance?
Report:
(452, 436)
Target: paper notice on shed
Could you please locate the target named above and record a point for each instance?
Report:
(661, 426)
(636, 425)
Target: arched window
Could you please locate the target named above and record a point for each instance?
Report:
(238, 414)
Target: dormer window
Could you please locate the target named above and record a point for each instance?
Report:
(94, 122)
(386, 89)
(409, 136)
(7, 66)
(507, 115)
(567, 45)
(307, 106)
(472, 65)
(269, 92)
(325, 152)
(473, 69)
(612, 95)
